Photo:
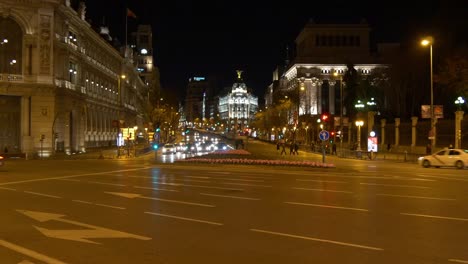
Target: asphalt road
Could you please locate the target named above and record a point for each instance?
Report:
(138, 211)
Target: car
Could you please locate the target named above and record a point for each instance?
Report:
(222, 146)
(169, 149)
(446, 157)
(2, 161)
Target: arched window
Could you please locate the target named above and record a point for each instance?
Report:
(11, 47)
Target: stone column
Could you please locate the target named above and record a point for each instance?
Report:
(331, 96)
(458, 132)
(383, 122)
(319, 96)
(414, 122)
(397, 132)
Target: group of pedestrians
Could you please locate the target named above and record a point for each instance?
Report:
(293, 147)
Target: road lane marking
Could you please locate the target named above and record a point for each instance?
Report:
(443, 178)
(416, 197)
(394, 185)
(156, 189)
(111, 206)
(245, 180)
(80, 235)
(30, 253)
(136, 195)
(329, 206)
(72, 180)
(246, 184)
(80, 201)
(42, 194)
(316, 239)
(9, 189)
(72, 176)
(106, 183)
(458, 260)
(185, 218)
(436, 216)
(199, 186)
(229, 196)
(187, 180)
(198, 177)
(98, 204)
(306, 180)
(321, 190)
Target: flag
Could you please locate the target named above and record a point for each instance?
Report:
(130, 13)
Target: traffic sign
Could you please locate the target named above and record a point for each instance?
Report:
(324, 135)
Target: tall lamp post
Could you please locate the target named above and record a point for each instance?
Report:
(359, 124)
(428, 42)
(458, 118)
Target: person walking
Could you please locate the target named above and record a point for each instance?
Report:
(334, 149)
(296, 148)
(283, 149)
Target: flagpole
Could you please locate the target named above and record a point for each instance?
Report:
(126, 28)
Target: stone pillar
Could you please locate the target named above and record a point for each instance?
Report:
(414, 122)
(370, 121)
(458, 132)
(397, 132)
(383, 122)
(319, 96)
(331, 96)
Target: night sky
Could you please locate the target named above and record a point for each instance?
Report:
(204, 38)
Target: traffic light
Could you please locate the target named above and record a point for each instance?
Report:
(324, 117)
(332, 133)
(155, 146)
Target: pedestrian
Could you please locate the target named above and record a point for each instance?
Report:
(5, 150)
(283, 149)
(291, 149)
(389, 147)
(334, 149)
(296, 148)
(277, 145)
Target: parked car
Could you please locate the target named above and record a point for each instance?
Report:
(169, 149)
(457, 158)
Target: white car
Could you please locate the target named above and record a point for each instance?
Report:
(457, 158)
(169, 149)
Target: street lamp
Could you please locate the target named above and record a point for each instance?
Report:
(359, 124)
(428, 42)
(459, 102)
(458, 119)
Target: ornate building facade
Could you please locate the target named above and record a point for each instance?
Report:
(62, 86)
(239, 106)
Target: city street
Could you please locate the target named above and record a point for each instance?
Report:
(139, 211)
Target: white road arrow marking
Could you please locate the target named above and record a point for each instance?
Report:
(81, 235)
(136, 195)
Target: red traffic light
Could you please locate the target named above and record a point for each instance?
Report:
(333, 133)
(324, 117)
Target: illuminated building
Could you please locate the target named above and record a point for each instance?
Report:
(239, 106)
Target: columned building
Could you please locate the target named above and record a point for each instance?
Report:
(323, 53)
(239, 106)
(63, 87)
